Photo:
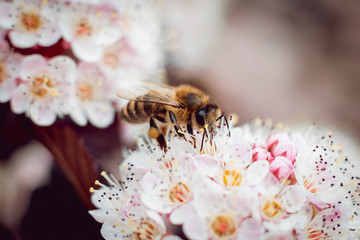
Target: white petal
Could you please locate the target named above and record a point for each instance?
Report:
(180, 214)
(293, 198)
(7, 18)
(32, 65)
(195, 228)
(62, 68)
(108, 36)
(87, 52)
(208, 164)
(155, 203)
(20, 99)
(49, 35)
(41, 114)
(251, 229)
(256, 172)
(158, 220)
(78, 116)
(101, 115)
(241, 154)
(22, 40)
(7, 90)
(100, 215)
(152, 184)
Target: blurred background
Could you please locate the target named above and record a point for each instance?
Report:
(291, 61)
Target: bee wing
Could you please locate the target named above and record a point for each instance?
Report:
(150, 92)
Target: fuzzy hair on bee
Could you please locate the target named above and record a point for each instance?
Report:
(182, 108)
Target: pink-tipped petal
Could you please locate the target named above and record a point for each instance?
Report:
(285, 149)
(20, 99)
(281, 167)
(32, 65)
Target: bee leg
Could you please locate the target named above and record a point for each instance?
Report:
(203, 139)
(190, 130)
(155, 133)
(178, 129)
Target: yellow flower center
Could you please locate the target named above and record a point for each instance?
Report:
(272, 210)
(223, 226)
(85, 91)
(30, 21)
(83, 28)
(111, 59)
(146, 231)
(42, 86)
(232, 178)
(179, 193)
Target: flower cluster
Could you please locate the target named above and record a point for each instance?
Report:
(249, 182)
(105, 46)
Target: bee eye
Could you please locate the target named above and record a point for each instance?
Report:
(200, 116)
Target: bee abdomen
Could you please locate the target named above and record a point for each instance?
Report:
(136, 112)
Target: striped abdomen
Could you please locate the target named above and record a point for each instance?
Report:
(137, 112)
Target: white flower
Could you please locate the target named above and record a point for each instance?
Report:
(238, 185)
(30, 22)
(9, 71)
(47, 88)
(89, 29)
(170, 185)
(139, 54)
(323, 170)
(93, 97)
(122, 214)
(219, 214)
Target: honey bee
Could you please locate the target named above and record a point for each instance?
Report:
(170, 108)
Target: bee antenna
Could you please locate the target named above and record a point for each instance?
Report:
(226, 121)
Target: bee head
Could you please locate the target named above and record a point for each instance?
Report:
(207, 115)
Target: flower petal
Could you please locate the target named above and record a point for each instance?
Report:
(41, 114)
(101, 115)
(49, 35)
(7, 19)
(20, 99)
(22, 40)
(293, 198)
(32, 65)
(87, 52)
(257, 172)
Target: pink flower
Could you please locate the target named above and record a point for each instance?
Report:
(281, 167)
(259, 152)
